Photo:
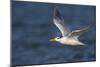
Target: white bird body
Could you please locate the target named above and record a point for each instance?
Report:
(68, 37)
(70, 41)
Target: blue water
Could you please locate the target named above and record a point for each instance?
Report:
(32, 27)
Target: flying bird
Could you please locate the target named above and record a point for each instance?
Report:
(68, 37)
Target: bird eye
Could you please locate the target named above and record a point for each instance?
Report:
(60, 37)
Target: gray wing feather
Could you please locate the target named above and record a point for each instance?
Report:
(59, 22)
(77, 33)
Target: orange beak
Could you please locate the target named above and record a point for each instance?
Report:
(52, 40)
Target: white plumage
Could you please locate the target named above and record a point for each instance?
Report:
(68, 37)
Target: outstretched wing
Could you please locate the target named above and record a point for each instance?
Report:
(76, 33)
(59, 22)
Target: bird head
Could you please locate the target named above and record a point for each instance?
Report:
(56, 39)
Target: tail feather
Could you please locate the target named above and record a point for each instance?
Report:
(82, 44)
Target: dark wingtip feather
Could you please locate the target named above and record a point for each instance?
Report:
(57, 14)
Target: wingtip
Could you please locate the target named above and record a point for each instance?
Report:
(55, 11)
(57, 14)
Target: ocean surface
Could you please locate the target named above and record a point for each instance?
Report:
(32, 27)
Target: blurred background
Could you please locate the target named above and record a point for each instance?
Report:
(32, 27)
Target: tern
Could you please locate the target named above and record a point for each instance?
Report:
(68, 37)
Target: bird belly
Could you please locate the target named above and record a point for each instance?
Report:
(69, 41)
